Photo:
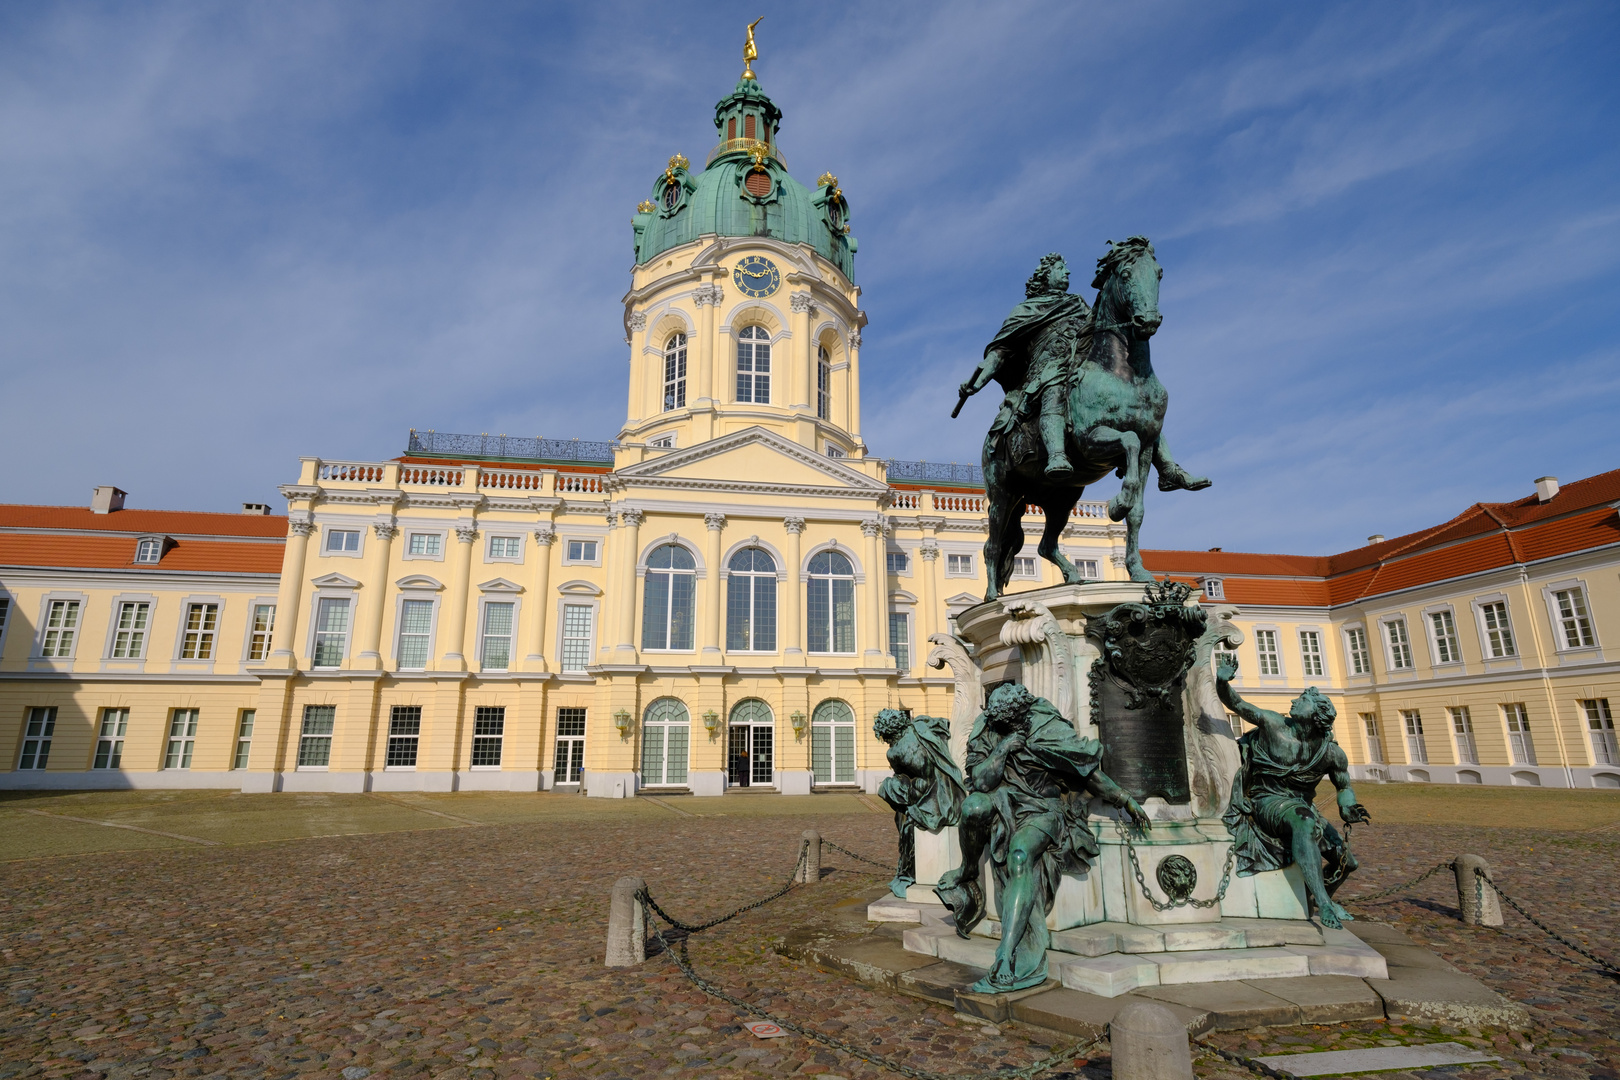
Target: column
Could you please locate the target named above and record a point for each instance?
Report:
(291, 592)
(453, 618)
(711, 589)
(877, 601)
(854, 383)
(638, 369)
(800, 384)
(705, 301)
(930, 619)
(368, 628)
(624, 649)
(540, 602)
(791, 630)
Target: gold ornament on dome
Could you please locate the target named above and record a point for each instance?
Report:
(758, 153)
(750, 52)
(827, 179)
(675, 163)
(645, 206)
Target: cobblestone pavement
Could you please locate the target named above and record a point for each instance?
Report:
(477, 952)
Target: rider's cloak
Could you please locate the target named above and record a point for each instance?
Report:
(1018, 338)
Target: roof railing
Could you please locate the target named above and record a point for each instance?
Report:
(508, 446)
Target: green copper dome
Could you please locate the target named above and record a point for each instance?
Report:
(744, 190)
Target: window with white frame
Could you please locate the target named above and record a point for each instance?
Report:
(1310, 653)
(427, 545)
(665, 731)
(1520, 743)
(1024, 567)
(5, 610)
(751, 601)
(666, 441)
(576, 637)
(1355, 640)
(489, 729)
(898, 561)
(1444, 628)
(244, 738)
(202, 623)
(415, 634)
(61, 628)
(1375, 744)
(1416, 752)
(148, 550)
(1400, 645)
(900, 640)
(315, 737)
(1462, 730)
(1088, 569)
(331, 631)
(832, 743)
(835, 451)
(675, 372)
(260, 626)
(1214, 589)
(581, 551)
(182, 737)
(1574, 624)
(129, 634)
(823, 383)
(1600, 726)
(754, 365)
(110, 739)
(505, 547)
(1498, 632)
(959, 565)
(37, 732)
(404, 730)
(670, 599)
(1265, 645)
(342, 539)
(497, 646)
(830, 603)
(570, 760)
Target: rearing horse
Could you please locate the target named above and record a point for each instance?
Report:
(1116, 408)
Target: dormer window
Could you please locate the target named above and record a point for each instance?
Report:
(1214, 589)
(148, 549)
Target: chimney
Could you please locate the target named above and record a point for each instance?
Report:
(1214, 549)
(1546, 488)
(106, 499)
(1375, 538)
(255, 508)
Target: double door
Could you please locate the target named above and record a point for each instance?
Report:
(750, 757)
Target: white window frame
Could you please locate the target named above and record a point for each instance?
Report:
(210, 636)
(954, 558)
(906, 556)
(81, 602)
(1090, 569)
(254, 604)
(674, 368)
(1305, 657)
(857, 579)
(1391, 646)
(906, 622)
(412, 532)
(644, 571)
(664, 722)
(153, 545)
(1550, 593)
(390, 737)
(557, 762)
(1522, 743)
(825, 731)
(1276, 652)
(1462, 734)
(823, 383)
(1214, 588)
(1600, 731)
(1034, 562)
(753, 373)
(569, 560)
(664, 440)
(484, 603)
(1372, 735)
(242, 749)
(330, 527)
(563, 604)
(1417, 747)
(320, 598)
(489, 548)
(119, 603)
(833, 450)
(180, 742)
(1479, 604)
(1358, 657)
(37, 738)
(8, 603)
(1448, 612)
(498, 738)
(416, 595)
(312, 739)
(754, 619)
(118, 717)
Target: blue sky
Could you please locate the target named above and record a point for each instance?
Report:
(231, 235)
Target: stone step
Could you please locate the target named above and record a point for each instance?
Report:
(1112, 974)
(1106, 937)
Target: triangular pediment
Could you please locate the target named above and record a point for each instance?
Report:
(755, 459)
(500, 584)
(335, 581)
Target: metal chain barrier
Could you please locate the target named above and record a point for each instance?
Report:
(646, 895)
(1186, 901)
(1482, 879)
(885, 867)
(1364, 898)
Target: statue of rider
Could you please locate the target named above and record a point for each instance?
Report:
(1033, 357)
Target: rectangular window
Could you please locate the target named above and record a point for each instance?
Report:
(823, 385)
(570, 745)
(1600, 726)
(315, 740)
(576, 643)
(61, 627)
(1518, 727)
(830, 614)
(1445, 637)
(148, 551)
(1024, 566)
(110, 739)
(129, 639)
(489, 725)
(415, 634)
(37, 732)
(1265, 643)
(505, 547)
(754, 365)
(1400, 646)
(959, 564)
(834, 451)
(899, 562)
(428, 544)
(1214, 589)
(675, 373)
(244, 739)
(1310, 651)
(1573, 621)
(1498, 634)
(331, 631)
(182, 734)
(1360, 657)
(497, 654)
(202, 622)
(1416, 752)
(404, 729)
(262, 626)
(342, 539)
(582, 551)
(5, 609)
(1088, 569)
(900, 640)
(1462, 729)
(1375, 745)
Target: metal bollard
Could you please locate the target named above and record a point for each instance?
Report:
(1149, 1043)
(809, 871)
(627, 924)
(1477, 901)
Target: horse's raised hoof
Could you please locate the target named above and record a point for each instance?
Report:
(1118, 507)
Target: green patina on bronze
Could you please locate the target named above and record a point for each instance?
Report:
(926, 790)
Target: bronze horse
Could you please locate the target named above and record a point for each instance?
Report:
(1114, 423)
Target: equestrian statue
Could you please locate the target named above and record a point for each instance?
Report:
(1081, 401)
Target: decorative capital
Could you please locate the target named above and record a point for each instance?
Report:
(303, 528)
(715, 521)
(385, 530)
(545, 536)
(793, 525)
(801, 302)
(466, 533)
(707, 294)
(929, 553)
(1117, 558)
(638, 322)
(872, 527)
(632, 518)
(854, 339)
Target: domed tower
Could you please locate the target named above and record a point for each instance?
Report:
(743, 310)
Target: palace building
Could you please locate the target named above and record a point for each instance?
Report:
(722, 597)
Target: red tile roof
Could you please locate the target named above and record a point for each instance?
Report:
(140, 522)
(72, 537)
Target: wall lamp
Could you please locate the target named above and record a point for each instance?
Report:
(798, 719)
(621, 720)
(711, 720)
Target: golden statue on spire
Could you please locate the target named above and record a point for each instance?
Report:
(750, 52)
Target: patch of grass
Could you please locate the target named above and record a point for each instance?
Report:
(1491, 807)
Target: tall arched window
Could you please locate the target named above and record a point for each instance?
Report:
(675, 373)
(823, 383)
(830, 603)
(751, 601)
(666, 620)
(832, 743)
(754, 364)
(665, 730)
(750, 744)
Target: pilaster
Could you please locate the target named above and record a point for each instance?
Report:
(716, 524)
(791, 631)
(368, 634)
(283, 653)
(453, 630)
(875, 637)
(628, 547)
(545, 537)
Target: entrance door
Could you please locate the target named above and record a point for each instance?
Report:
(750, 757)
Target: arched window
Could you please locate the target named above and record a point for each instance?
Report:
(675, 373)
(754, 364)
(823, 383)
(750, 757)
(830, 603)
(672, 194)
(751, 601)
(832, 743)
(665, 730)
(666, 620)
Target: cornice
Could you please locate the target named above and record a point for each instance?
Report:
(294, 492)
(650, 471)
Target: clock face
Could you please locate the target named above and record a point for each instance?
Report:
(757, 276)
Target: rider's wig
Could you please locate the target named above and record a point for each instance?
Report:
(1317, 707)
(1118, 255)
(890, 724)
(1040, 282)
